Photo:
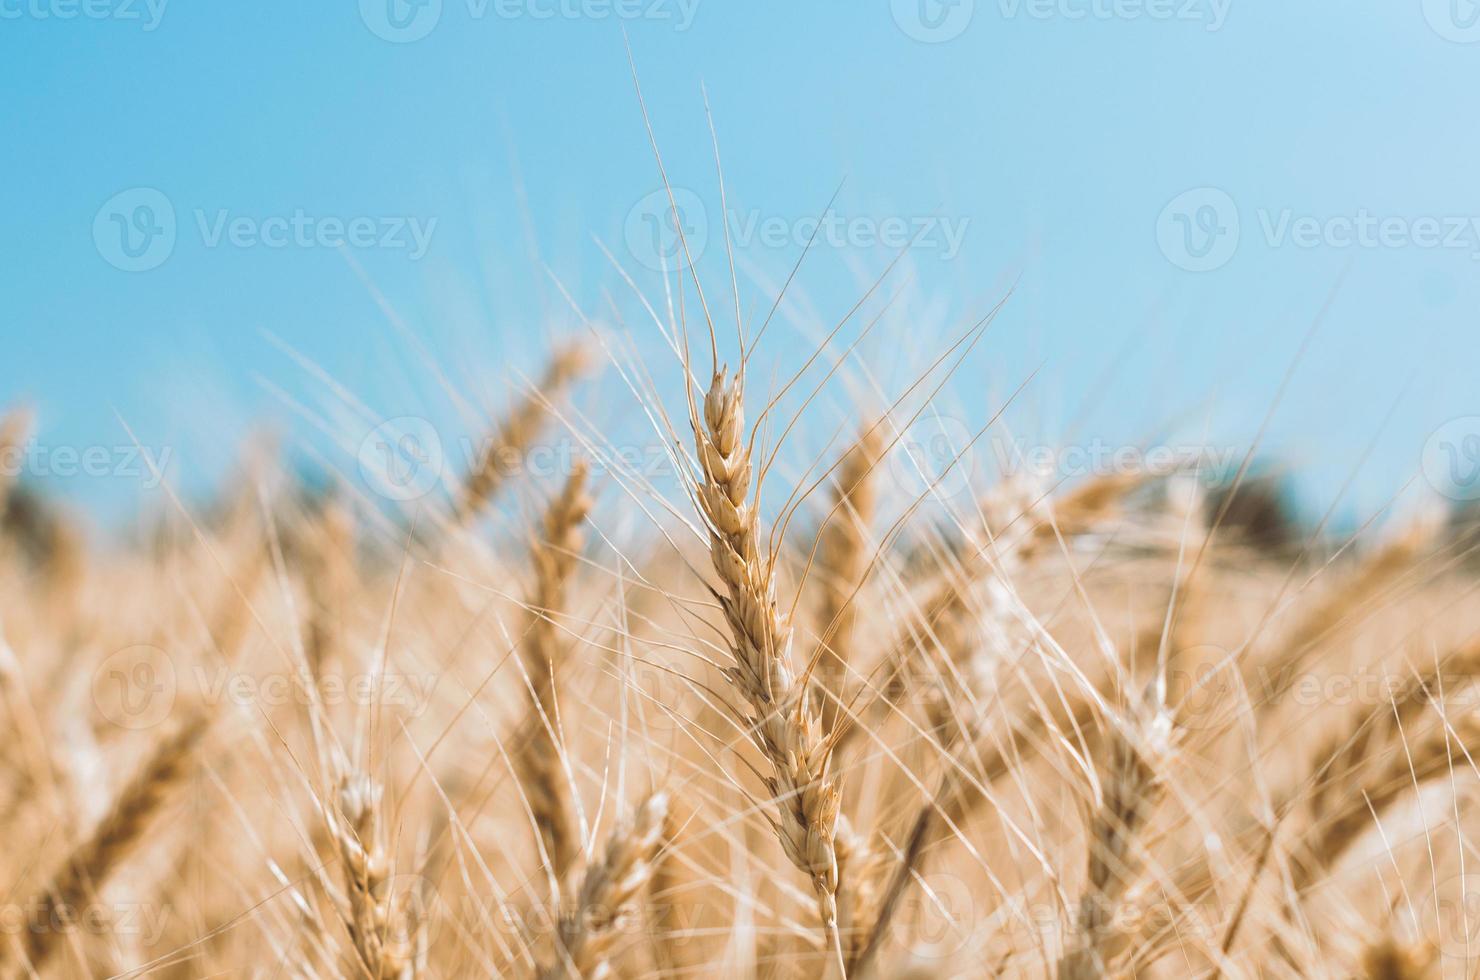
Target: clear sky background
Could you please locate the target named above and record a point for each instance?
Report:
(1329, 148)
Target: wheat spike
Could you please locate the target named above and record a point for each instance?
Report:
(383, 954)
(15, 428)
(953, 613)
(608, 889)
(331, 580)
(92, 862)
(502, 455)
(1387, 959)
(1131, 786)
(845, 559)
(1398, 768)
(784, 721)
(540, 758)
(1360, 588)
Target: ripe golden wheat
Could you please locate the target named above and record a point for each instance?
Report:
(1068, 731)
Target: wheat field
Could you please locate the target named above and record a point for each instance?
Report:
(1065, 728)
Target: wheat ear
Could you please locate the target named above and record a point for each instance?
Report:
(671, 939)
(1367, 735)
(784, 723)
(1130, 787)
(330, 577)
(1387, 959)
(366, 878)
(950, 617)
(844, 561)
(1399, 768)
(90, 864)
(1360, 589)
(514, 435)
(541, 755)
(608, 889)
(15, 428)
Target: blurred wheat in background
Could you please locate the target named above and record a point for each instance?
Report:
(803, 724)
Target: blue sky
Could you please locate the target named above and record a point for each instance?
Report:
(1093, 155)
